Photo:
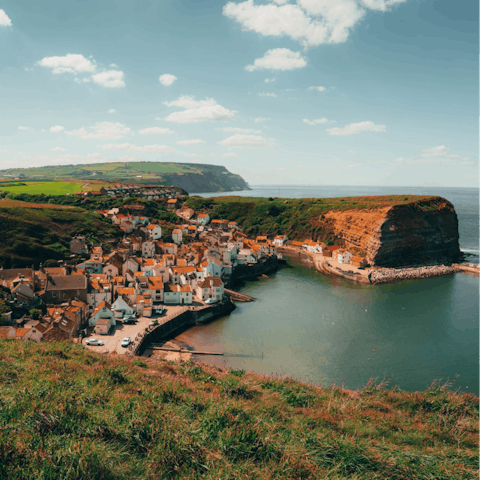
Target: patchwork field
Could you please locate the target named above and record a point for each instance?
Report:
(49, 188)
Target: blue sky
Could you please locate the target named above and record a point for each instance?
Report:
(360, 92)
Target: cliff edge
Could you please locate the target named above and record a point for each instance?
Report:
(422, 232)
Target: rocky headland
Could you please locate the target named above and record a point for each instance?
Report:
(417, 233)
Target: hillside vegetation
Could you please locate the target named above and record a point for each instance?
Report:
(297, 218)
(34, 232)
(67, 412)
(191, 177)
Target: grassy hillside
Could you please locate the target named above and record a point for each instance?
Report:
(191, 177)
(47, 188)
(35, 232)
(297, 218)
(69, 413)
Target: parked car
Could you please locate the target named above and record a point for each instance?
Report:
(153, 322)
(159, 310)
(126, 342)
(210, 301)
(94, 341)
(128, 319)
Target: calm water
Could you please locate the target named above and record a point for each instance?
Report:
(324, 329)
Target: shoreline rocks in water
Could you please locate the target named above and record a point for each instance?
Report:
(380, 275)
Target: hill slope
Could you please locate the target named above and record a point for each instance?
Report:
(35, 232)
(191, 177)
(67, 412)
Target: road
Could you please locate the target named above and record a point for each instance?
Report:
(112, 342)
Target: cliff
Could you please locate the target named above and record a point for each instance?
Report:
(393, 230)
(422, 232)
(193, 178)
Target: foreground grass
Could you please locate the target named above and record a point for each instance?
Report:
(69, 413)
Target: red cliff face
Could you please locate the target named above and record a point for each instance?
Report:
(417, 233)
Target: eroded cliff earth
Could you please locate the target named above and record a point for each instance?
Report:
(421, 232)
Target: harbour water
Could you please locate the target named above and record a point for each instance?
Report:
(328, 330)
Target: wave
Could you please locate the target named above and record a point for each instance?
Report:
(471, 252)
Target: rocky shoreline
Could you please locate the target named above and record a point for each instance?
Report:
(381, 275)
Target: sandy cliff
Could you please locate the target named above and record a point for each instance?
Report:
(422, 232)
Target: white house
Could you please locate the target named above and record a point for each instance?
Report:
(280, 240)
(178, 294)
(345, 257)
(104, 310)
(154, 231)
(177, 235)
(203, 218)
(211, 287)
(121, 307)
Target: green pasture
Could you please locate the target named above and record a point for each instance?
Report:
(48, 188)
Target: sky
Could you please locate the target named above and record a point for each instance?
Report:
(344, 92)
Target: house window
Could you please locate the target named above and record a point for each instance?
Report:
(54, 294)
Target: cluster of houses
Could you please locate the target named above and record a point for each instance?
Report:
(125, 191)
(140, 273)
(333, 251)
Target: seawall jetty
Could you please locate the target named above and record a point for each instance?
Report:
(379, 275)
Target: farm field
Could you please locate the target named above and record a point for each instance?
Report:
(49, 188)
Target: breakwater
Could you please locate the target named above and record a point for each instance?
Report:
(183, 319)
(378, 275)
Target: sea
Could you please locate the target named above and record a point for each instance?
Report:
(327, 330)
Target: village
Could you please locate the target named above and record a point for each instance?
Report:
(111, 299)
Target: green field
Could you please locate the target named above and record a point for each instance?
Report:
(48, 188)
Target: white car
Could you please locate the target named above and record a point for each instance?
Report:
(94, 341)
(126, 342)
(210, 301)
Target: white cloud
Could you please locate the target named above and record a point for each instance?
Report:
(317, 121)
(77, 64)
(243, 141)
(4, 20)
(128, 147)
(197, 110)
(318, 89)
(270, 80)
(435, 151)
(112, 110)
(58, 149)
(167, 79)
(310, 22)
(356, 128)
(229, 155)
(70, 63)
(278, 59)
(263, 94)
(154, 131)
(192, 155)
(102, 131)
(261, 119)
(57, 128)
(109, 79)
(193, 141)
(24, 128)
(280, 2)
(240, 130)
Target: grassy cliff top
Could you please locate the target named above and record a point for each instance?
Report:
(67, 412)
(298, 217)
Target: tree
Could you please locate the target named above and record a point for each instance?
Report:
(35, 313)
